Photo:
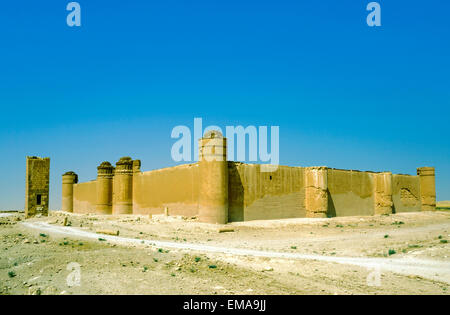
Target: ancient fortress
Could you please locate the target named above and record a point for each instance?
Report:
(220, 191)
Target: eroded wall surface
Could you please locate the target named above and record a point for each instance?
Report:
(406, 193)
(257, 195)
(85, 197)
(350, 193)
(176, 188)
(37, 186)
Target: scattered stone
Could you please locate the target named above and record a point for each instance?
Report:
(34, 291)
(268, 268)
(66, 221)
(108, 232)
(50, 290)
(225, 229)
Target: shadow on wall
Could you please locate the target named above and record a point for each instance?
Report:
(235, 195)
(331, 213)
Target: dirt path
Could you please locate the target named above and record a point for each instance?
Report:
(426, 268)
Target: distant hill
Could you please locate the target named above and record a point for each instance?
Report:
(443, 204)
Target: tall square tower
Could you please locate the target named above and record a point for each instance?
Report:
(37, 186)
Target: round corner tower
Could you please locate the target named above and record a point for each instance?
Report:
(316, 191)
(123, 187)
(105, 174)
(213, 176)
(383, 193)
(68, 179)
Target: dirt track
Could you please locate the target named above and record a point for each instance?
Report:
(435, 270)
(297, 256)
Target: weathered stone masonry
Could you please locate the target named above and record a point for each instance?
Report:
(37, 186)
(220, 191)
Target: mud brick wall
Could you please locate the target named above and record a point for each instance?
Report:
(350, 193)
(176, 188)
(85, 197)
(220, 191)
(257, 195)
(406, 193)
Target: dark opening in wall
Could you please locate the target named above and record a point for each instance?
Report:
(38, 200)
(271, 177)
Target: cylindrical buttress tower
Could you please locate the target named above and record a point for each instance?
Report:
(68, 179)
(213, 177)
(136, 174)
(383, 193)
(123, 187)
(104, 188)
(316, 192)
(427, 188)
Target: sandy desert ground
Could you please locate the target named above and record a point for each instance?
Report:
(443, 205)
(396, 254)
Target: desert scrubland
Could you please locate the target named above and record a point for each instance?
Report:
(68, 253)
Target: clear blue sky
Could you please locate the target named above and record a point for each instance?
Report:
(344, 95)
